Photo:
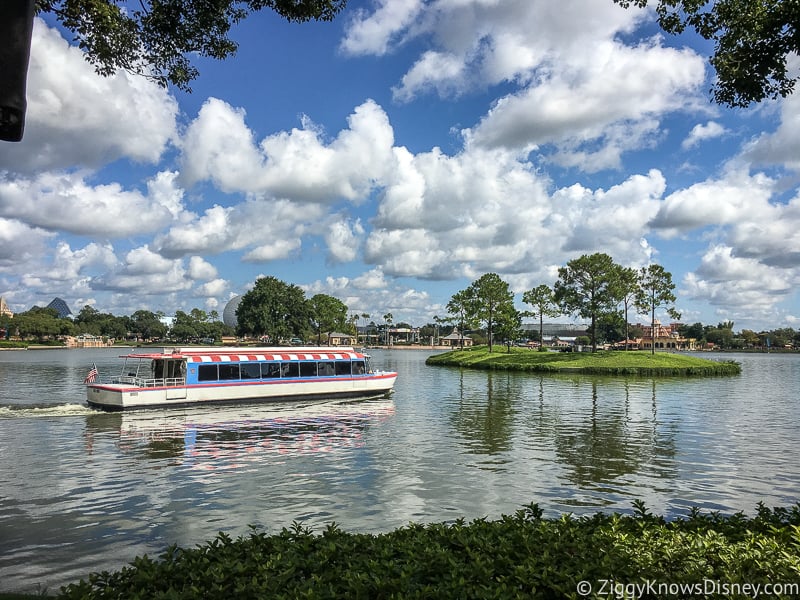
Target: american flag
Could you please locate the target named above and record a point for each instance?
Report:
(91, 375)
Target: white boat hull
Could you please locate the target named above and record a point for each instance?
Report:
(119, 396)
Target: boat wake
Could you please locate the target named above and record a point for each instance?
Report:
(33, 411)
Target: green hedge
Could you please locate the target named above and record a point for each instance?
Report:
(518, 556)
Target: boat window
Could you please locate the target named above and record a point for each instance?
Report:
(325, 369)
(207, 373)
(228, 372)
(342, 367)
(358, 367)
(308, 369)
(289, 369)
(158, 368)
(270, 370)
(251, 371)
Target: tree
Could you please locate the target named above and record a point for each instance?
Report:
(148, 324)
(387, 322)
(508, 324)
(492, 297)
(586, 287)
(155, 38)
(184, 327)
(695, 331)
(656, 291)
(273, 308)
(752, 41)
(462, 308)
(544, 304)
(327, 314)
(626, 286)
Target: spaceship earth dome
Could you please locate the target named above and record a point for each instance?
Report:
(229, 312)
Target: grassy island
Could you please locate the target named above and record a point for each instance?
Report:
(592, 363)
(518, 556)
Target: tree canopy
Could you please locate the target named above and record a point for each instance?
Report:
(587, 286)
(273, 308)
(156, 38)
(327, 314)
(752, 41)
(493, 304)
(544, 305)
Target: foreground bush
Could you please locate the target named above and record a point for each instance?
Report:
(519, 556)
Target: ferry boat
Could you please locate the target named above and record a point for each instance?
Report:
(188, 376)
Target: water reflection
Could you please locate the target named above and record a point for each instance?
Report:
(215, 438)
(485, 416)
(613, 441)
(603, 434)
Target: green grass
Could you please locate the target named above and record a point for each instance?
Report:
(594, 363)
(518, 556)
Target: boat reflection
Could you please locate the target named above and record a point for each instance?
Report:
(227, 437)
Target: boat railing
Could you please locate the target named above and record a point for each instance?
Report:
(151, 382)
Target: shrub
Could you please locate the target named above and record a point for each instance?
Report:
(519, 556)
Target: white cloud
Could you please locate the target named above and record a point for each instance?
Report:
(343, 238)
(738, 196)
(76, 117)
(782, 146)
(20, 245)
(146, 273)
(723, 279)
(700, 133)
(617, 86)
(297, 165)
(199, 268)
(372, 33)
(65, 202)
(212, 289)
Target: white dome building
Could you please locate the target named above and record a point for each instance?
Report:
(229, 313)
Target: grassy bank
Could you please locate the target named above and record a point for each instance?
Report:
(594, 363)
(519, 556)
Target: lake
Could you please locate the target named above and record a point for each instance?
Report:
(84, 491)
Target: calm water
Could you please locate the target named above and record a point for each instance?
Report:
(82, 491)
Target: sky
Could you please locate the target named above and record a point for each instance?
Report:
(391, 157)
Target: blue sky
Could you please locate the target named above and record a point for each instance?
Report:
(393, 156)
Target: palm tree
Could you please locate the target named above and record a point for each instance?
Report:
(387, 320)
(365, 316)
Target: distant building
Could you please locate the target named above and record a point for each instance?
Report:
(4, 310)
(557, 329)
(340, 339)
(61, 307)
(455, 340)
(665, 337)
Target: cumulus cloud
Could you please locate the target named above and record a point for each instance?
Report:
(199, 268)
(76, 117)
(298, 165)
(782, 146)
(700, 133)
(270, 229)
(66, 202)
(735, 197)
(622, 86)
(145, 272)
(343, 238)
(723, 279)
(20, 245)
(372, 33)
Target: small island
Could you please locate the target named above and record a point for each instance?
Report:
(591, 363)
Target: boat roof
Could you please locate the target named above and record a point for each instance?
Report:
(248, 354)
